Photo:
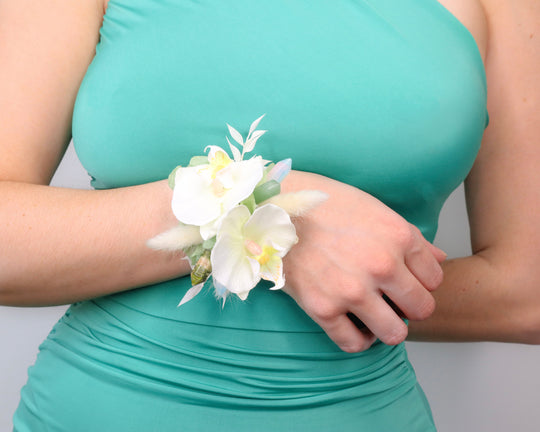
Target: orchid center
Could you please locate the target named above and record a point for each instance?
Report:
(261, 254)
(217, 188)
(218, 162)
(267, 253)
(252, 247)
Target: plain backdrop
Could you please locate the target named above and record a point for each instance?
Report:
(471, 387)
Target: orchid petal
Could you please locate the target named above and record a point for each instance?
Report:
(240, 179)
(255, 266)
(270, 224)
(193, 202)
(210, 229)
(273, 271)
(243, 295)
(233, 223)
(213, 150)
(204, 193)
(231, 268)
(230, 265)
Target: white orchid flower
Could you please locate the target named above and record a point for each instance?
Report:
(204, 193)
(213, 199)
(251, 247)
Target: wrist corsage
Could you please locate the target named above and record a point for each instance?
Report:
(235, 225)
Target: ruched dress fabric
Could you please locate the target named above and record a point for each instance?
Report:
(385, 95)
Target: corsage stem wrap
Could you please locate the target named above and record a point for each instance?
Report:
(234, 224)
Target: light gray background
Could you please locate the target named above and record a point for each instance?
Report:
(472, 387)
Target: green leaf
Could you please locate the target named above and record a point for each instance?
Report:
(198, 160)
(194, 253)
(209, 243)
(250, 203)
(267, 169)
(172, 176)
(266, 190)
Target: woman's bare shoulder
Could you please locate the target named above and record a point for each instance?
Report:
(46, 49)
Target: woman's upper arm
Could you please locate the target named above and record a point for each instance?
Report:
(45, 49)
(503, 188)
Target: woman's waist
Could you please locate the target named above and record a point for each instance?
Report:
(264, 309)
(230, 365)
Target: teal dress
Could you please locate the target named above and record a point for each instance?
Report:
(385, 95)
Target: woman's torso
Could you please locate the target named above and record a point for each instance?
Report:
(386, 95)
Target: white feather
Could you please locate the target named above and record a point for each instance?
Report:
(176, 238)
(298, 203)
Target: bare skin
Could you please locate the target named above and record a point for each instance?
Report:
(494, 295)
(90, 243)
(60, 245)
(395, 260)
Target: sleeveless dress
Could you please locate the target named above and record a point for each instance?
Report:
(385, 95)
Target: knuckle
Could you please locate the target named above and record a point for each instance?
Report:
(383, 266)
(359, 343)
(424, 310)
(324, 311)
(354, 347)
(405, 235)
(396, 336)
(355, 294)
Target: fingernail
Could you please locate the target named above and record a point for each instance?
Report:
(445, 255)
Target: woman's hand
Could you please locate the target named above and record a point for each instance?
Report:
(353, 250)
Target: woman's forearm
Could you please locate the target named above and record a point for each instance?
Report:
(484, 298)
(63, 245)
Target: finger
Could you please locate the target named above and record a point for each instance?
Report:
(424, 265)
(439, 254)
(346, 335)
(410, 296)
(360, 324)
(381, 320)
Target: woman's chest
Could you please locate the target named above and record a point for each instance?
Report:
(386, 95)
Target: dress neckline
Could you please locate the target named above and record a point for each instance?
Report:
(468, 36)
